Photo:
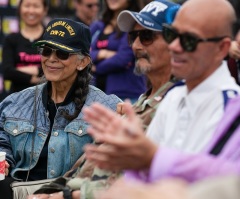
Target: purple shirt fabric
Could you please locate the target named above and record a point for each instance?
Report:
(120, 79)
(193, 167)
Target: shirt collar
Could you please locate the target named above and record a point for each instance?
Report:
(157, 97)
(200, 92)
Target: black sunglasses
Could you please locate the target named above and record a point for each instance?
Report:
(91, 5)
(47, 51)
(146, 37)
(188, 41)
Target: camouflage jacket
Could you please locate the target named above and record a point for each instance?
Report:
(146, 108)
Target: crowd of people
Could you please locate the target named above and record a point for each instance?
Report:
(141, 101)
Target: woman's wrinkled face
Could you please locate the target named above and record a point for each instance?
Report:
(58, 70)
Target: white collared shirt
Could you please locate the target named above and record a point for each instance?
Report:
(187, 121)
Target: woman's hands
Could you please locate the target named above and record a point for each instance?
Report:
(31, 70)
(105, 54)
(7, 166)
(57, 195)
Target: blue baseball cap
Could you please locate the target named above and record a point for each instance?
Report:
(152, 16)
(67, 35)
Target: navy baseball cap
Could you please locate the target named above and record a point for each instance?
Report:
(152, 16)
(67, 35)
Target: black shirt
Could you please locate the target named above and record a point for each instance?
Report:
(18, 51)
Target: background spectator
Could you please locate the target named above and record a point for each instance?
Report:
(112, 56)
(21, 61)
(86, 11)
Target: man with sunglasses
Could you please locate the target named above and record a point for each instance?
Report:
(198, 50)
(152, 57)
(86, 11)
(199, 39)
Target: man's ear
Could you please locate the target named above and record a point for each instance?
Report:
(83, 63)
(224, 47)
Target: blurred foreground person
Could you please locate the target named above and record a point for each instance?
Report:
(225, 187)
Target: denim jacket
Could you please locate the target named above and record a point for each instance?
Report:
(18, 137)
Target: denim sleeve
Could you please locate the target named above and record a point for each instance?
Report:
(5, 145)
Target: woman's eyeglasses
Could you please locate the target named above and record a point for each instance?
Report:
(146, 37)
(188, 41)
(47, 51)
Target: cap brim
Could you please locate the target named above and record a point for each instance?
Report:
(127, 19)
(57, 45)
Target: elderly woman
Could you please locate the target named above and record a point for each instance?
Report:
(41, 127)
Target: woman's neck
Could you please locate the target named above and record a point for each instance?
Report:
(32, 32)
(59, 92)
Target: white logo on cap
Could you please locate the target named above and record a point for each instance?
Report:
(148, 23)
(139, 18)
(154, 8)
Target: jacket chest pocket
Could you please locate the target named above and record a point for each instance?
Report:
(16, 128)
(78, 137)
(18, 132)
(77, 128)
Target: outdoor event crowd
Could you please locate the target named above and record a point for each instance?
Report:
(136, 100)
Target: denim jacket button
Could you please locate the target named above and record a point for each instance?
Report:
(55, 134)
(52, 172)
(52, 150)
(80, 131)
(15, 131)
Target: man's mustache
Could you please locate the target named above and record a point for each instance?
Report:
(140, 55)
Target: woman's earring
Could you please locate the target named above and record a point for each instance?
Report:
(80, 68)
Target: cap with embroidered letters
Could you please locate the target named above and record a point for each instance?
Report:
(67, 35)
(152, 16)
